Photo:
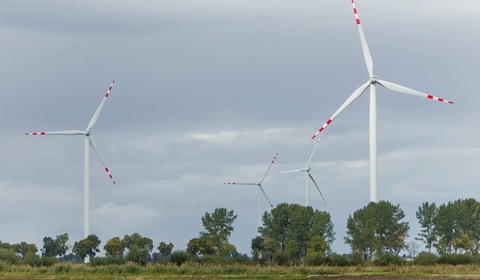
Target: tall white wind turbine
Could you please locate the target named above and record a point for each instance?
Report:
(308, 177)
(372, 82)
(260, 190)
(88, 144)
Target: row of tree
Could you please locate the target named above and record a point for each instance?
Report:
(134, 247)
(451, 228)
(290, 233)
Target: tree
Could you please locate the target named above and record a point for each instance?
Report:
(24, 249)
(457, 226)
(165, 249)
(55, 247)
(218, 227)
(257, 248)
(139, 248)
(290, 227)
(317, 247)
(412, 249)
(87, 247)
(192, 246)
(114, 247)
(377, 229)
(426, 214)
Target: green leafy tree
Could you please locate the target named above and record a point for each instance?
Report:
(55, 247)
(457, 226)
(291, 227)
(87, 247)
(426, 214)
(218, 227)
(192, 246)
(165, 249)
(377, 229)
(139, 248)
(317, 247)
(24, 249)
(257, 248)
(114, 247)
(206, 246)
(228, 250)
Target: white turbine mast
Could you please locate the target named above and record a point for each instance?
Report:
(88, 144)
(308, 177)
(260, 190)
(372, 82)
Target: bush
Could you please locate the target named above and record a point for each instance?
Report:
(338, 260)
(47, 261)
(107, 260)
(280, 258)
(179, 257)
(425, 258)
(455, 259)
(314, 258)
(9, 256)
(138, 255)
(388, 259)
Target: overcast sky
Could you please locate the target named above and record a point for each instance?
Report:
(208, 91)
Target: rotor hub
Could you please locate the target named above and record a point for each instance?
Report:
(373, 79)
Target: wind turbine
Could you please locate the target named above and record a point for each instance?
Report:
(308, 176)
(88, 144)
(372, 82)
(260, 190)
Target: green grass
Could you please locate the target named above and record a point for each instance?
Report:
(233, 271)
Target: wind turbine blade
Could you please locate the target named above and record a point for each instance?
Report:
(290, 171)
(244, 184)
(311, 155)
(311, 177)
(399, 88)
(347, 103)
(99, 109)
(95, 150)
(265, 194)
(366, 51)
(266, 173)
(60, 132)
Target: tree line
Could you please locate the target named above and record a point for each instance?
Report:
(290, 234)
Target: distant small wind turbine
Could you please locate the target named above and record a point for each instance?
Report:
(260, 189)
(372, 82)
(88, 143)
(308, 176)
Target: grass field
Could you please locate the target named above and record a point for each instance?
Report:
(236, 271)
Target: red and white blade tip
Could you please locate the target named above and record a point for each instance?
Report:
(322, 128)
(357, 19)
(110, 175)
(109, 89)
(35, 133)
(439, 99)
(274, 158)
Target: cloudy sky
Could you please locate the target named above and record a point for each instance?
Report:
(208, 91)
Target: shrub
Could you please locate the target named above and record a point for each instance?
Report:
(109, 260)
(280, 258)
(314, 258)
(138, 255)
(47, 261)
(179, 257)
(455, 259)
(425, 258)
(9, 256)
(338, 260)
(388, 259)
